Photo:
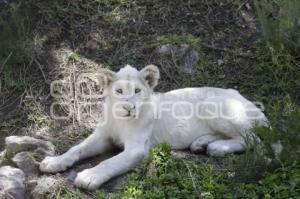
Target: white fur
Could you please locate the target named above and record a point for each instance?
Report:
(142, 128)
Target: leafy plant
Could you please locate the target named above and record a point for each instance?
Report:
(280, 23)
(15, 46)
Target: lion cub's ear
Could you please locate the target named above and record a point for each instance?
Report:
(150, 74)
(106, 77)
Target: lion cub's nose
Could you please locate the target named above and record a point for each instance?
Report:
(128, 107)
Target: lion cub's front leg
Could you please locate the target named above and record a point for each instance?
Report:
(92, 178)
(96, 143)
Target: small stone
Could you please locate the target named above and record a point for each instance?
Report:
(220, 62)
(44, 185)
(187, 56)
(71, 176)
(26, 162)
(277, 147)
(15, 144)
(168, 49)
(190, 61)
(183, 47)
(231, 174)
(91, 44)
(2, 157)
(222, 76)
(165, 49)
(12, 183)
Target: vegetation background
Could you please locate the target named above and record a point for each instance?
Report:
(251, 45)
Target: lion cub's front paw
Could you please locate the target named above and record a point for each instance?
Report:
(88, 179)
(53, 165)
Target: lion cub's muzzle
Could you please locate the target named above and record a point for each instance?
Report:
(130, 108)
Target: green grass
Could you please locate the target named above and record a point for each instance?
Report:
(280, 23)
(166, 176)
(179, 39)
(15, 46)
(36, 116)
(61, 191)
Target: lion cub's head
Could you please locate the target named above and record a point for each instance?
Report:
(129, 89)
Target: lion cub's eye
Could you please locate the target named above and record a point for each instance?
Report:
(120, 91)
(137, 90)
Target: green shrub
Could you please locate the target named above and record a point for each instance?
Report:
(15, 46)
(282, 183)
(280, 23)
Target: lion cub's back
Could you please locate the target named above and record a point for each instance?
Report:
(171, 127)
(201, 93)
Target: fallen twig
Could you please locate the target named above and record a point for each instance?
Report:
(5, 61)
(41, 69)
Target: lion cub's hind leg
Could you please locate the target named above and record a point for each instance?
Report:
(200, 144)
(220, 148)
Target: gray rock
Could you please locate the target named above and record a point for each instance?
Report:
(71, 176)
(189, 61)
(169, 49)
(277, 147)
(186, 55)
(220, 62)
(15, 144)
(44, 185)
(164, 49)
(26, 162)
(2, 157)
(12, 183)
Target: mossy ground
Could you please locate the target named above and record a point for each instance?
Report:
(43, 41)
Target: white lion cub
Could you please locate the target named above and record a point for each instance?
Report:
(212, 119)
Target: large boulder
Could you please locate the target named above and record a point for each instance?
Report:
(12, 183)
(15, 144)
